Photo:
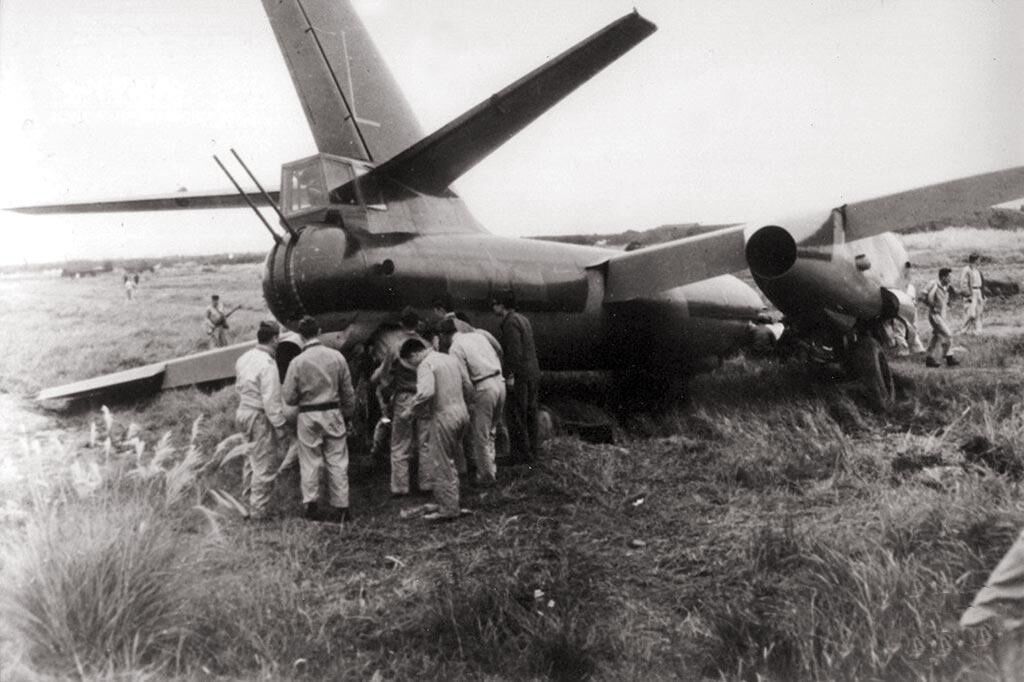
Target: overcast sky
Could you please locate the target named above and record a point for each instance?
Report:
(734, 110)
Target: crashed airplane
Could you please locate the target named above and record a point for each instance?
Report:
(370, 224)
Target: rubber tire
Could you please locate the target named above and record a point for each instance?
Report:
(870, 366)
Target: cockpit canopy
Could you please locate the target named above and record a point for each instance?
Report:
(306, 184)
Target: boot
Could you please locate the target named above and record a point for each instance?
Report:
(338, 515)
(310, 513)
(951, 361)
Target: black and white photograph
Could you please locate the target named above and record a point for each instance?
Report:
(474, 340)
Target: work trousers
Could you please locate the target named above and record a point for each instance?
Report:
(445, 431)
(521, 417)
(322, 443)
(975, 308)
(257, 429)
(942, 337)
(484, 415)
(408, 440)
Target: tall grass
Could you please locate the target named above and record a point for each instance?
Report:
(96, 577)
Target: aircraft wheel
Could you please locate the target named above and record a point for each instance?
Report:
(870, 365)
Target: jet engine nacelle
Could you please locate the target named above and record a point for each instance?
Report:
(807, 277)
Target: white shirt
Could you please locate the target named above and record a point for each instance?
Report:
(259, 384)
(474, 351)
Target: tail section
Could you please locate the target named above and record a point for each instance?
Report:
(352, 103)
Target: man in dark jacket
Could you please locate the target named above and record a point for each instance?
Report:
(522, 378)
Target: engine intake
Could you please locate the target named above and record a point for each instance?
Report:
(771, 252)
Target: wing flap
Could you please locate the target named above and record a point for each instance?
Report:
(432, 164)
(654, 269)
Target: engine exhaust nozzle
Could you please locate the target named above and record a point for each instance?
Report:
(771, 252)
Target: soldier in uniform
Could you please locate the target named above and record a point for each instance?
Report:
(216, 323)
(971, 282)
(319, 383)
(261, 414)
(442, 387)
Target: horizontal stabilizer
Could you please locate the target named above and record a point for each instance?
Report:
(169, 202)
(199, 368)
(654, 269)
(435, 162)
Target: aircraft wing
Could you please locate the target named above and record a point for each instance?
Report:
(167, 202)
(199, 368)
(649, 271)
(432, 164)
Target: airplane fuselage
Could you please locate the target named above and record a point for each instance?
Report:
(355, 283)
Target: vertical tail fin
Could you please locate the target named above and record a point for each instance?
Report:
(352, 103)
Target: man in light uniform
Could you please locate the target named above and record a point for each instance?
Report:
(484, 369)
(408, 436)
(937, 295)
(260, 415)
(319, 382)
(970, 283)
(442, 387)
(216, 323)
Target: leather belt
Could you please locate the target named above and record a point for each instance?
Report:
(320, 407)
(489, 376)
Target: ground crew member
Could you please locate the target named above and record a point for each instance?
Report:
(319, 382)
(408, 436)
(261, 414)
(522, 379)
(216, 323)
(484, 369)
(904, 331)
(937, 295)
(443, 311)
(129, 287)
(442, 387)
(971, 282)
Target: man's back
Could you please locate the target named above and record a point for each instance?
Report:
(518, 345)
(443, 383)
(475, 351)
(258, 384)
(319, 375)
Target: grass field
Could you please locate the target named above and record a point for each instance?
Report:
(770, 528)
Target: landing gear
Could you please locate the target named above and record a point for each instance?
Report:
(867, 362)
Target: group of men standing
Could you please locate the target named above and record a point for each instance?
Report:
(448, 389)
(937, 296)
(317, 395)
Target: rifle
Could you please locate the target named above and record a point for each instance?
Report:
(224, 321)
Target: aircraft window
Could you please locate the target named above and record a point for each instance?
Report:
(305, 187)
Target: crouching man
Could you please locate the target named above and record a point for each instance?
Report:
(442, 388)
(261, 414)
(319, 383)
